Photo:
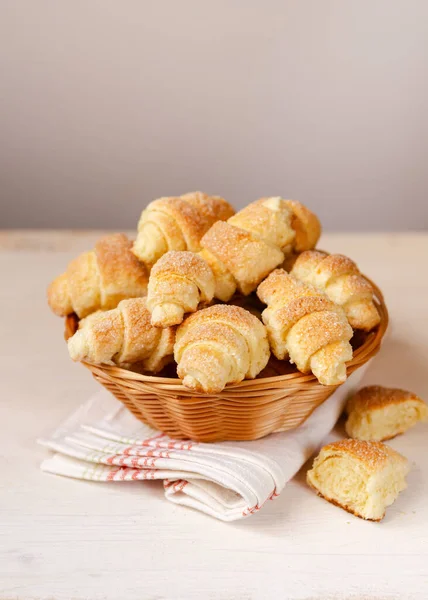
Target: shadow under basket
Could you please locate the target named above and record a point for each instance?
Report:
(248, 410)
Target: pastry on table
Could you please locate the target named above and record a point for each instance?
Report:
(362, 477)
(239, 253)
(306, 327)
(177, 223)
(219, 345)
(379, 413)
(340, 278)
(123, 336)
(99, 279)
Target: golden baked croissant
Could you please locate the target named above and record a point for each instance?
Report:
(179, 282)
(177, 223)
(123, 335)
(364, 478)
(99, 279)
(240, 252)
(306, 326)
(339, 277)
(243, 250)
(219, 345)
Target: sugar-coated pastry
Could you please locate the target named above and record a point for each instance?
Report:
(362, 477)
(305, 326)
(379, 413)
(99, 279)
(340, 278)
(177, 223)
(179, 282)
(123, 335)
(268, 219)
(241, 252)
(219, 345)
(255, 240)
(240, 256)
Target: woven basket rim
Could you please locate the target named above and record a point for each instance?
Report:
(361, 355)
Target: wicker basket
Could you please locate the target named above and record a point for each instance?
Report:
(244, 411)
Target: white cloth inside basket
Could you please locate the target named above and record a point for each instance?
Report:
(103, 441)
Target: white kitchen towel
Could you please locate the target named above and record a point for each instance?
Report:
(103, 441)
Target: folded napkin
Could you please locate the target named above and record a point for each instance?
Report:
(103, 441)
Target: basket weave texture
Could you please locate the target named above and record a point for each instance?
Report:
(243, 411)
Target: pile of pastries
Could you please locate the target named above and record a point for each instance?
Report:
(225, 297)
(217, 292)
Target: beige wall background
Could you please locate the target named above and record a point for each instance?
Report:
(105, 105)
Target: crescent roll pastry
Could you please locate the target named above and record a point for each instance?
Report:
(268, 219)
(305, 326)
(362, 477)
(99, 279)
(239, 253)
(339, 277)
(379, 413)
(219, 345)
(177, 223)
(123, 335)
(239, 256)
(246, 248)
(179, 282)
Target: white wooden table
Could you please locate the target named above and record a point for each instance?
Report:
(64, 539)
